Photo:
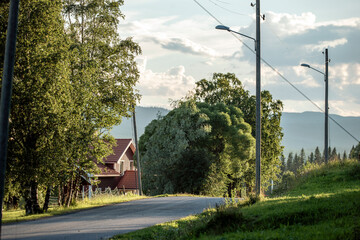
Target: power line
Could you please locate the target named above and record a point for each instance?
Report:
(207, 11)
(226, 9)
(278, 73)
(343, 128)
(222, 2)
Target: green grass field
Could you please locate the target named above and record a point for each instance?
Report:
(323, 204)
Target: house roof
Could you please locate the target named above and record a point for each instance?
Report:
(106, 171)
(129, 180)
(120, 149)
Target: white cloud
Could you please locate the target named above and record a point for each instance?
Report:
(172, 44)
(162, 86)
(184, 45)
(304, 73)
(141, 64)
(196, 36)
(344, 108)
(301, 105)
(289, 24)
(269, 76)
(321, 45)
(285, 24)
(343, 75)
(148, 26)
(348, 22)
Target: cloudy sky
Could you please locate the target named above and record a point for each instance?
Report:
(181, 46)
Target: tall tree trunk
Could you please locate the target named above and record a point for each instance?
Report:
(27, 201)
(47, 199)
(31, 199)
(34, 198)
(69, 193)
(229, 189)
(77, 187)
(59, 196)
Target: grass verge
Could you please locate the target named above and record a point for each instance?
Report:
(323, 204)
(97, 201)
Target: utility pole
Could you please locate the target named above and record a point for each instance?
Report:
(258, 102)
(326, 106)
(137, 155)
(6, 89)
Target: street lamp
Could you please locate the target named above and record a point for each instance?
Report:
(258, 94)
(308, 66)
(326, 76)
(226, 28)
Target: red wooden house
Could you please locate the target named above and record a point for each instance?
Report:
(117, 169)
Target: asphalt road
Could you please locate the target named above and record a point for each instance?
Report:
(105, 222)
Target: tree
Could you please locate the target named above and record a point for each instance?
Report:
(289, 164)
(227, 89)
(344, 158)
(302, 158)
(283, 163)
(197, 148)
(318, 158)
(166, 144)
(296, 163)
(311, 158)
(103, 74)
(38, 117)
(73, 80)
(287, 180)
(333, 155)
(355, 152)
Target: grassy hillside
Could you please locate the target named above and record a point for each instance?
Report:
(323, 204)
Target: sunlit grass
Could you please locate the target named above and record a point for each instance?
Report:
(323, 204)
(96, 201)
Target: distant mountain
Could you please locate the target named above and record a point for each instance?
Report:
(301, 130)
(306, 130)
(144, 115)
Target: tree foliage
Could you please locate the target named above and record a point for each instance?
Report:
(355, 152)
(227, 89)
(197, 148)
(74, 79)
(318, 157)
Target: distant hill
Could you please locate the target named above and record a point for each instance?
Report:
(306, 130)
(301, 130)
(144, 115)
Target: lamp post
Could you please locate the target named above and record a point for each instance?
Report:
(258, 94)
(326, 78)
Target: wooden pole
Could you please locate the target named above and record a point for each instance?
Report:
(6, 90)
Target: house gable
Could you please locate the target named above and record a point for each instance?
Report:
(119, 150)
(119, 161)
(117, 169)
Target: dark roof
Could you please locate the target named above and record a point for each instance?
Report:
(106, 171)
(119, 150)
(129, 180)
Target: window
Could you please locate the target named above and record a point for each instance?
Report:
(122, 167)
